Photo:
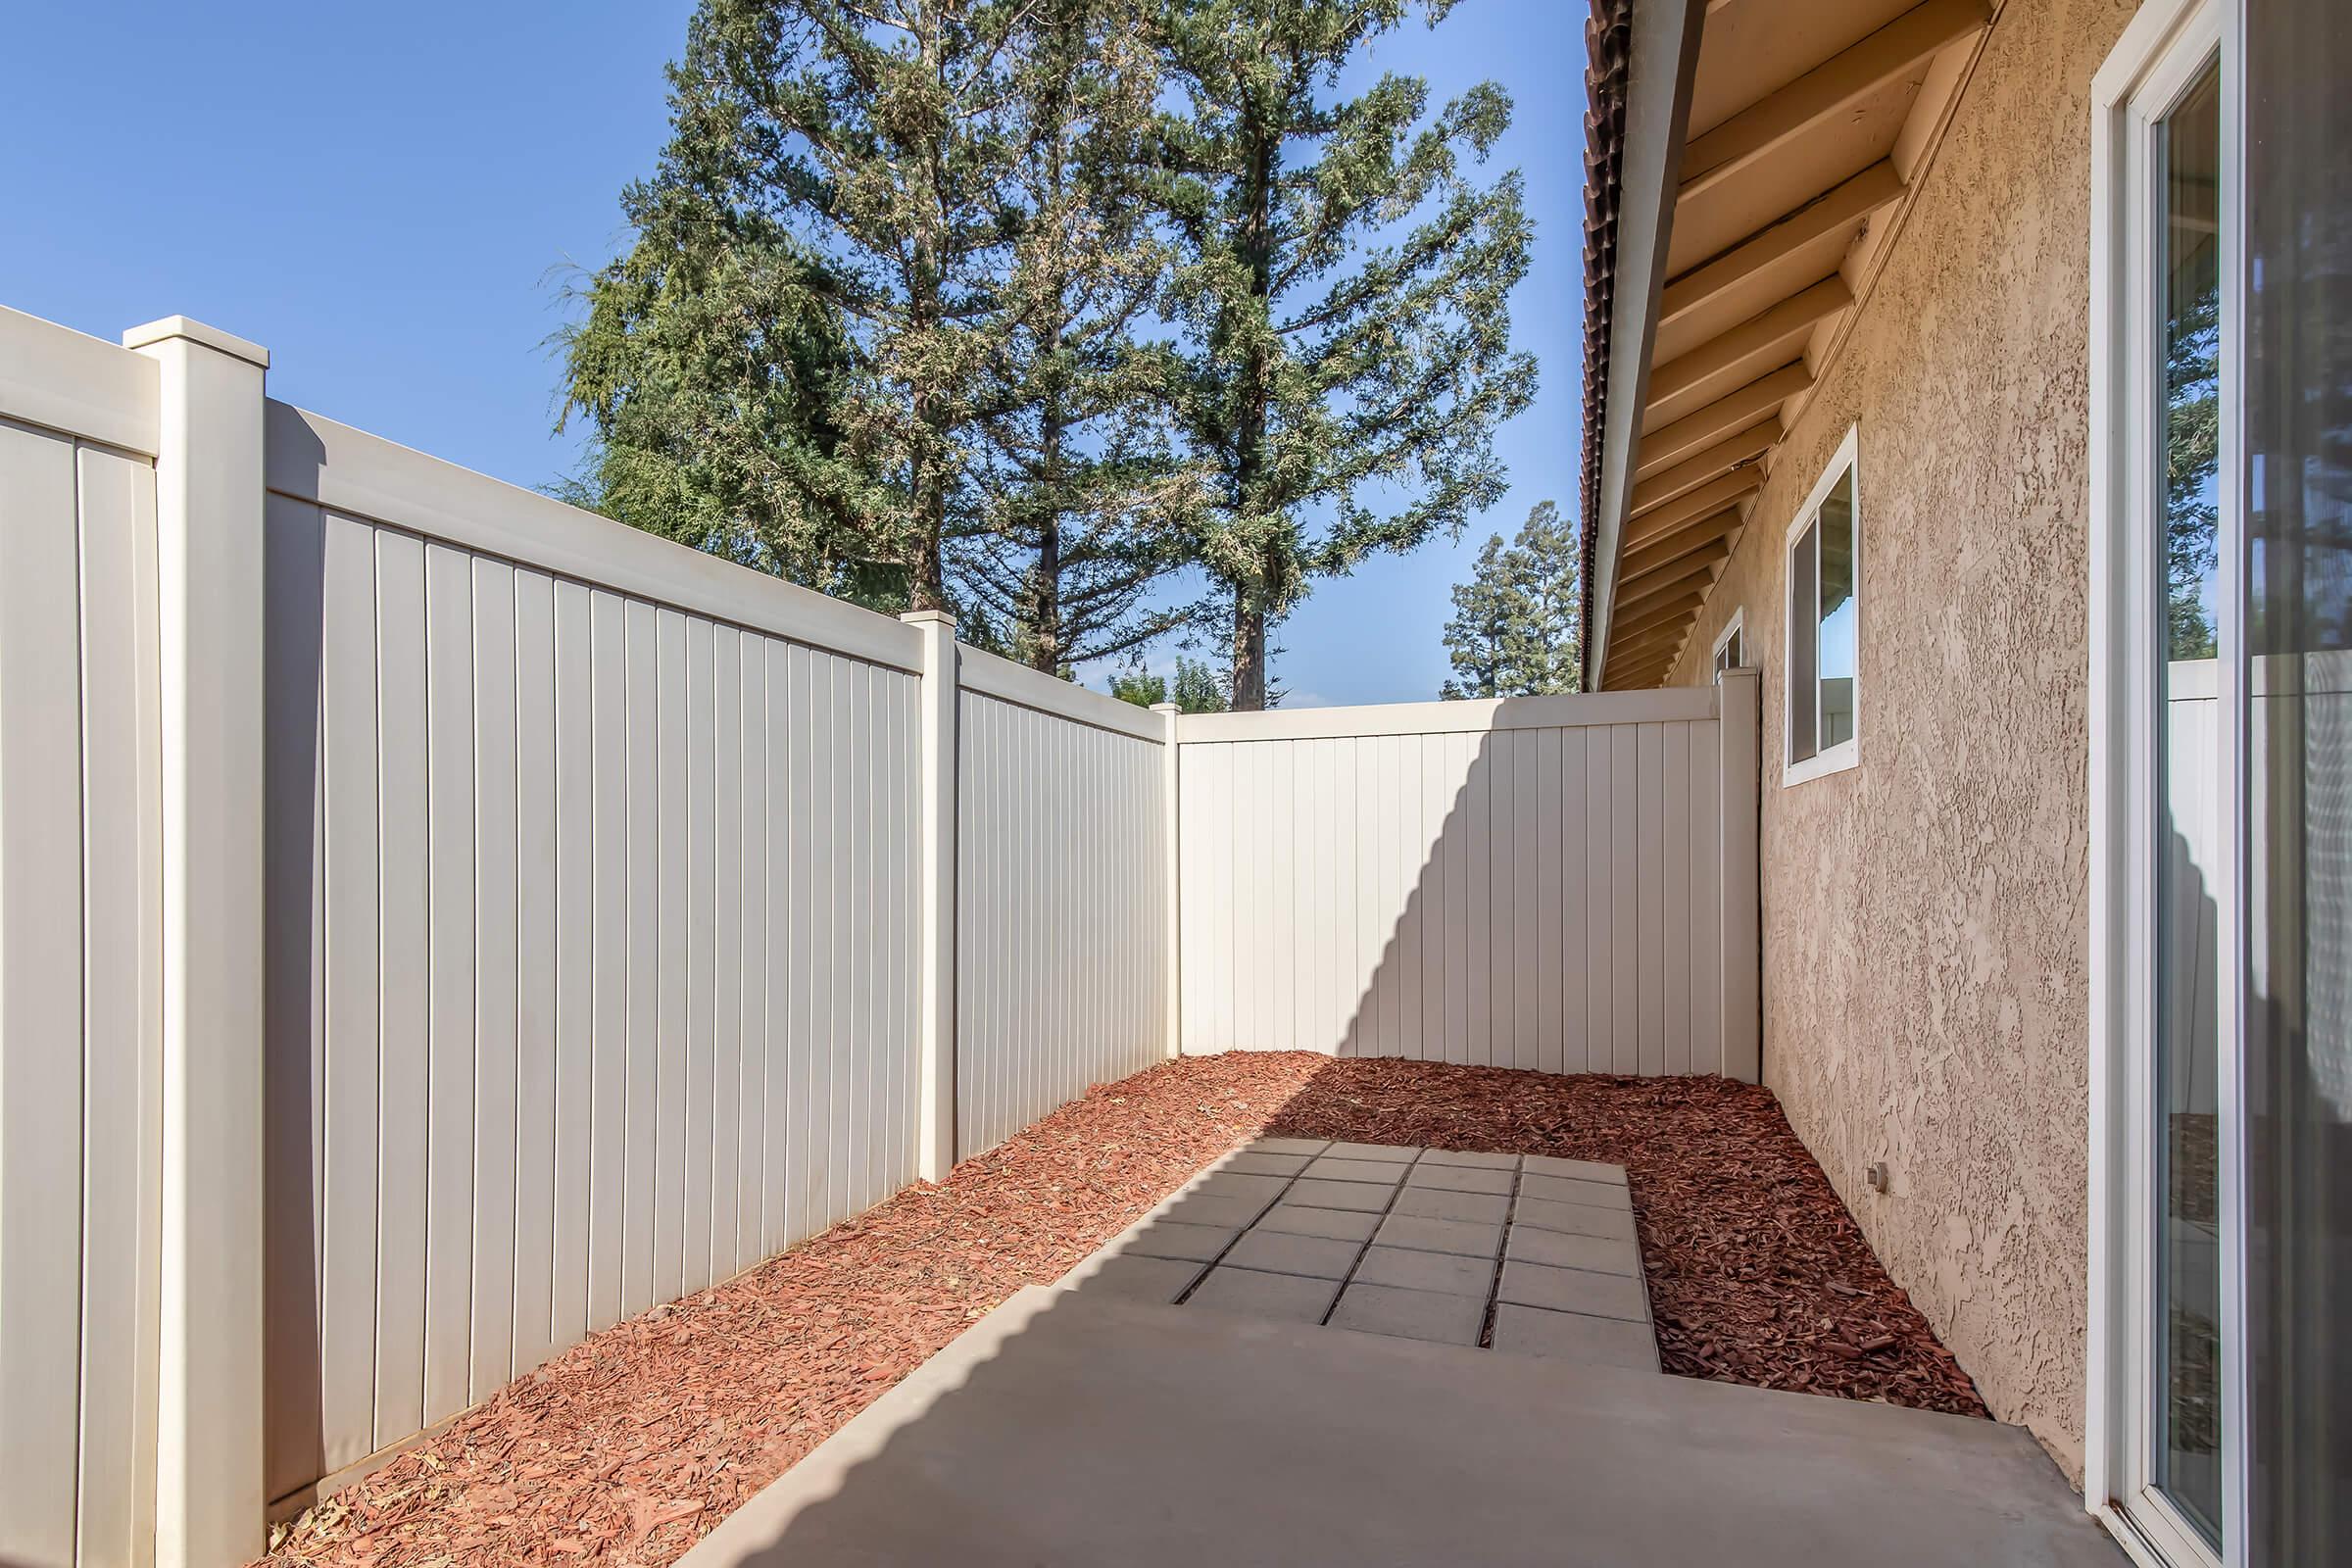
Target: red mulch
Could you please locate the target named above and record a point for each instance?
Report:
(1757, 1273)
(631, 1445)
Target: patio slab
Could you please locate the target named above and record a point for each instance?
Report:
(1417, 1244)
(1072, 1428)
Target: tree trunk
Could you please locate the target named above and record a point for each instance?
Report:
(1249, 619)
(1248, 658)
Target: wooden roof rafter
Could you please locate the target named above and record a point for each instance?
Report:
(1807, 125)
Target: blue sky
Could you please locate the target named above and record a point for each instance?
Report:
(391, 210)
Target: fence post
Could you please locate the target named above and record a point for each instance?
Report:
(1171, 873)
(1737, 708)
(209, 557)
(935, 1129)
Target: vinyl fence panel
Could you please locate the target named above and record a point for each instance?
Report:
(1534, 883)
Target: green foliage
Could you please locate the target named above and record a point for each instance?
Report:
(1345, 291)
(1086, 502)
(1197, 690)
(1514, 629)
(2192, 455)
(708, 358)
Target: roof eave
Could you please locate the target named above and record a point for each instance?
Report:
(1643, 54)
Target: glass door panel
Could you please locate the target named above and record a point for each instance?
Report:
(2192, 809)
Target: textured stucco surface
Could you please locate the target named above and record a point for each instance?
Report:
(1925, 948)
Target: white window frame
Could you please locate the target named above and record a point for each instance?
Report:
(2157, 59)
(1730, 629)
(1848, 752)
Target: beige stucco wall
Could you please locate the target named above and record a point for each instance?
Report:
(1924, 913)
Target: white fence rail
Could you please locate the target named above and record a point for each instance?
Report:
(1548, 882)
(436, 923)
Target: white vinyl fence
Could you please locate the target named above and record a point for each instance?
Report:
(436, 923)
(1061, 925)
(80, 966)
(1560, 883)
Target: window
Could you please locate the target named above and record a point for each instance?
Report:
(1731, 647)
(1824, 622)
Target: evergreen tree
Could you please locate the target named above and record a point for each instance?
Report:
(1514, 627)
(1344, 286)
(1196, 688)
(709, 359)
(875, 140)
(1085, 499)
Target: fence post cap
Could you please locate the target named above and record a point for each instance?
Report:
(928, 617)
(1165, 707)
(212, 337)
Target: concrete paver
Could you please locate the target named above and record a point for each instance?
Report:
(1332, 1168)
(1267, 1164)
(1573, 1219)
(1468, 1157)
(1433, 1203)
(1399, 1242)
(1460, 1179)
(1364, 1196)
(1440, 1235)
(1167, 1238)
(1567, 1190)
(1574, 1337)
(1410, 1315)
(1573, 1290)
(1297, 1220)
(1582, 1170)
(1387, 1151)
(1141, 1279)
(1287, 1145)
(1444, 1272)
(1279, 1252)
(1606, 1255)
(1284, 1297)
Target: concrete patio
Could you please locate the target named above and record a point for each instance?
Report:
(1291, 1360)
(1081, 1428)
(1531, 1256)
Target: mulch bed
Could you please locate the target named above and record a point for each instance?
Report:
(631, 1445)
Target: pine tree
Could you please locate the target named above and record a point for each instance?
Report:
(1514, 626)
(877, 140)
(1344, 288)
(1196, 688)
(709, 359)
(1085, 499)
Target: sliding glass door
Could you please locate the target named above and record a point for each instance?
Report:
(2297, 424)
(2221, 1409)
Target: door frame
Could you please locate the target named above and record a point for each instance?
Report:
(2158, 54)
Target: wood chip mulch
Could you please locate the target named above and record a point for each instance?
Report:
(631, 1445)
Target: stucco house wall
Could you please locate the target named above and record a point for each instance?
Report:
(1924, 914)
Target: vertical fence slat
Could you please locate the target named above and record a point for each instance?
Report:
(404, 1015)
(538, 814)
(494, 979)
(123, 987)
(450, 1070)
(40, 999)
(355, 957)
(576, 1039)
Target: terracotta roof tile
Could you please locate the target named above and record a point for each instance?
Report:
(1607, 47)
